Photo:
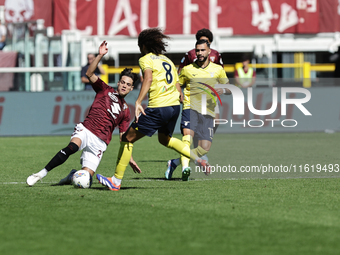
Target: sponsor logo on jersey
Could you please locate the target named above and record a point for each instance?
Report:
(113, 97)
(164, 89)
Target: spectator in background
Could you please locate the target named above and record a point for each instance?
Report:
(99, 70)
(245, 76)
(3, 33)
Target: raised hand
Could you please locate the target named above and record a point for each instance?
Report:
(103, 48)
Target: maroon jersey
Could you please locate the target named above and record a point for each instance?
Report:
(107, 111)
(190, 57)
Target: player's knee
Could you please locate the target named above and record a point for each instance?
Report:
(186, 131)
(131, 135)
(163, 139)
(88, 170)
(205, 147)
(124, 139)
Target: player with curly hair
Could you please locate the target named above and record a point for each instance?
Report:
(160, 82)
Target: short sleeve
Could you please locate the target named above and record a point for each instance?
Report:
(182, 77)
(223, 79)
(145, 63)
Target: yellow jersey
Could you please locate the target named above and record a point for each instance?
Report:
(163, 91)
(197, 81)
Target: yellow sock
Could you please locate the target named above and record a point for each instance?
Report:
(199, 151)
(124, 155)
(181, 148)
(187, 139)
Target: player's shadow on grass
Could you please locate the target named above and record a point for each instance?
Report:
(122, 188)
(156, 179)
(100, 187)
(57, 184)
(154, 160)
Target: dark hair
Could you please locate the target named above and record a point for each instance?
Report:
(153, 40)
(202, 42)
(204, 32)
(128, 72)
(246, 57)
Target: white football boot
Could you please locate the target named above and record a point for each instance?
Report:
(33, 179)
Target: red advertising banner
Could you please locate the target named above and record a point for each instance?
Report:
(129, 17)
(222, 17)
(28, 10)
(273, 16)
(329, 16)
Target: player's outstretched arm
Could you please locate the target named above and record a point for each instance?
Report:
(90, 71)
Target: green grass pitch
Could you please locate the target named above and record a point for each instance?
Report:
(231, 214)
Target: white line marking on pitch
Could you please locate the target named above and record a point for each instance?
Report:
(212, 179)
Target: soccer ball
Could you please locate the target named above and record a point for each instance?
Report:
(82, 179)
